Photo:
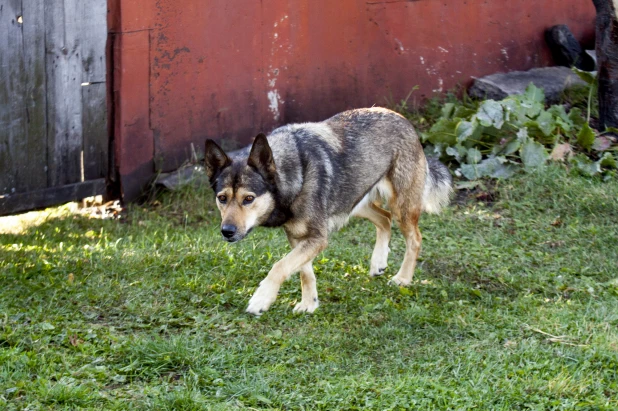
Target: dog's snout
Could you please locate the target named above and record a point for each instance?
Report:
(228, 230)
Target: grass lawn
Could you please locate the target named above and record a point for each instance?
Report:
(514, 306)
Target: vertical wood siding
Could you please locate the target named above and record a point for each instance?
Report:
(53, 113)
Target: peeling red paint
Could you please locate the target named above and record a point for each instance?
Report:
(228, 70)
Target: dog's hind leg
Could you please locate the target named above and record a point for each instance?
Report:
(301, 255)
(412, 235)
(382, 220)
(408, 180)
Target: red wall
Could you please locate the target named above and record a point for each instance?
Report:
(228, 69)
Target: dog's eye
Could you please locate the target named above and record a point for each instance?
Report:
(222, 199)
(248, 200)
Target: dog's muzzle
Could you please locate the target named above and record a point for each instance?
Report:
(228, 231)
(231, 234)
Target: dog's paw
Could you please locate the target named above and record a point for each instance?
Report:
(400, 281)
(264, 296)
(307, 306)
(378, 262)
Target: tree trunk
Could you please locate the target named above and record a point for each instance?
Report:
(607, 61)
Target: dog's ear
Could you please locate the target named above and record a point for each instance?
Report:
(261, 158)
(215, 159)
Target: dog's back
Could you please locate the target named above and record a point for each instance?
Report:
(344, 157)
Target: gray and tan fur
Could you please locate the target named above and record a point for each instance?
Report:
(310, 178)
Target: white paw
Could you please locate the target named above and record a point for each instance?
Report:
(399, 281)
(307, 306)
(264, 296)
(378, 262)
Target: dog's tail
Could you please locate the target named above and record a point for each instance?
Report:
(438, 186)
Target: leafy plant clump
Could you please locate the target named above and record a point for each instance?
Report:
(496, 139)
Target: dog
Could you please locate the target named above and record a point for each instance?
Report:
(310, 178)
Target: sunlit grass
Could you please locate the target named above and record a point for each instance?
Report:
(514, 306)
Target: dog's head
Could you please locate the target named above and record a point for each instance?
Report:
(243, 186)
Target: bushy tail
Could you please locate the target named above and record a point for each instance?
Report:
(438, 186)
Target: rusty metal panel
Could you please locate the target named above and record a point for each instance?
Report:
(436, 45)
(133, 140)
(130, 24)
(314, 59)
(229, 69)
(206, 75)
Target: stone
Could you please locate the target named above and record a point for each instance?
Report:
(188, 174)
(566, 49)
(553, 80)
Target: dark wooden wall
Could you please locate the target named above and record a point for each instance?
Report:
(53, 112)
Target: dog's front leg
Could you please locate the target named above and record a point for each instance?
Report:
(304, 251)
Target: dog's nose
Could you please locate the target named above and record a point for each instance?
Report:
(228, 230)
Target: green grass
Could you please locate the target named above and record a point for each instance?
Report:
(514, 306)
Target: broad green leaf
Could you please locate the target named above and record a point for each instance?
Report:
(522, 135)
(470, 171)
(513, 111)
(447, 110)
(505, 146)
(490, 114)
(588, 76)
(611, 130)
(535, 132)
(534, 94)
(565, 126)
(474, 156)
(490, 135)
(494, 167)
(499, 167)
(531, 102)
(586, 136)
(533, 154)
(561, 117)
(546, 123)
(431, 150)
(576, 116)
(463, 112)
(608, 161)
(466, 129)
(532, 109)
(558, 110)
(443, 132)
(511, 147)
(586, 166)
(458, 151)
(453, 153)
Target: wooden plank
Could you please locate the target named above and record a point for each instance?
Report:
(15, 203)
(36, 106)
(64, 67)
(94, 92)
(93, 39)
(94, 126)
(12, 124)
